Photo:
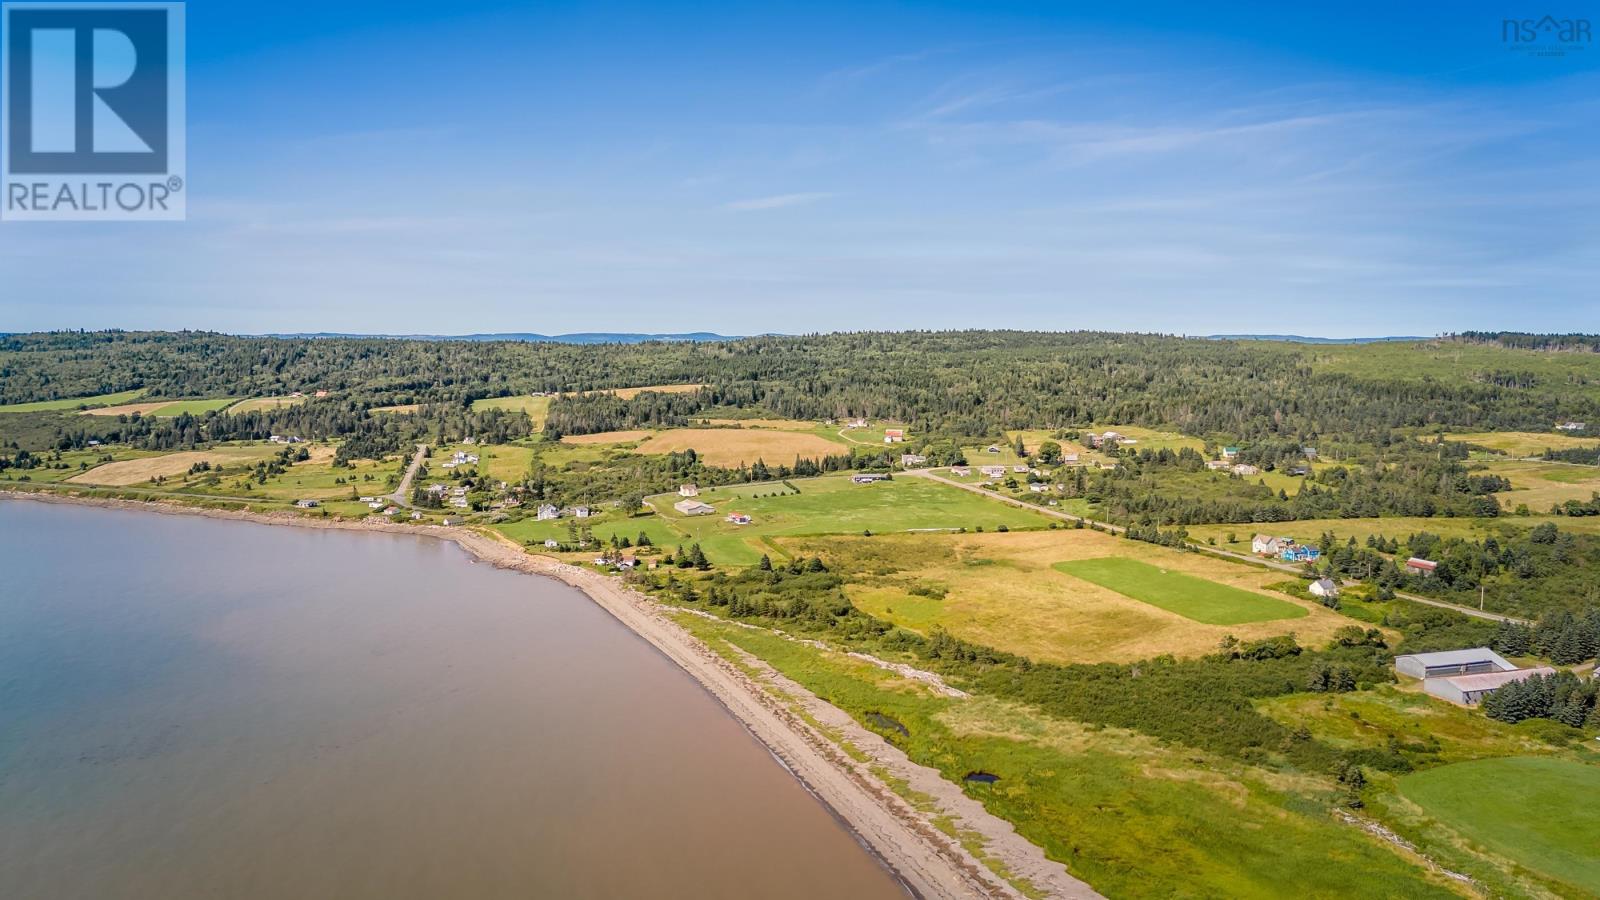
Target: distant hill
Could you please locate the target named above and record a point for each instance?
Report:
(586, 337)
(1302, 339)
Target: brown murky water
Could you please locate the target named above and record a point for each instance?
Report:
(201, 708)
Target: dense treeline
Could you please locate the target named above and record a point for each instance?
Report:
(952, 383)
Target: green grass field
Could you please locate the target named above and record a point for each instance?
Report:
(1193, 598)
(536, 407)
(75, 402)
(1099, 799)
(1539, 812)
(193, 407)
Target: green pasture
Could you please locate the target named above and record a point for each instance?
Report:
(72, 403)
(1188, 596)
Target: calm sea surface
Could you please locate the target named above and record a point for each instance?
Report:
(202, 708)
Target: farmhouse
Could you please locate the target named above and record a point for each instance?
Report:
(693, 507)
(894, 435)
(962, 471)
(688, 490)
(1424, 567)
(1246, 469)
(547, 511)
(1469, 690)
(867, 478)
(1266, 543)
(1324, 588)
(1449, 663)
(993, 471)
(912, 459)
(738, 518)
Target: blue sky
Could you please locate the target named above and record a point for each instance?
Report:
(468, 167)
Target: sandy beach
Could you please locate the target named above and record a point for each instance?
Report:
(928, 862)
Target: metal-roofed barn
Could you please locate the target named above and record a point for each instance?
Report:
(1475, 661)
(1471, 689)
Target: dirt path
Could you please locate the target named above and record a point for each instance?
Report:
(929, 863)
(402, 494)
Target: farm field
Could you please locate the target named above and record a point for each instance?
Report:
(399, 409)
(1193, 598)
(1151, 439)
(604, 527)
(259, 404)
(1002, 590)
(127, 409)
(193, 407)
(730, 447)
(536, 407)
(607, 437)
(1539, 812)
(1307, 531)
(75, 462)
(1541, 485)
(629, 393)
(1523, 443)
(505, 462)
(72, 403)
(142, 469)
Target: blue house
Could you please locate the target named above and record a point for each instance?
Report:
(1299, 553)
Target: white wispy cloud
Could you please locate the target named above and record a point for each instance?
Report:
(777, 201)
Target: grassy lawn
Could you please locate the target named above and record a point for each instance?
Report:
(1188, 596)
(1540, 812)
(75, 402)
(1098, 800)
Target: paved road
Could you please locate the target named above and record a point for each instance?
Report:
(402, 496)
(1291, 568)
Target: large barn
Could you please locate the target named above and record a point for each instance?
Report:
(1476, 661)
(1471, 689)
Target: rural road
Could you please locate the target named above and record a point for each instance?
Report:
(1214, 551)
(402, 494)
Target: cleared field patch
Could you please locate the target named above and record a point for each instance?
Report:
(193, 407)
(730, 447)
(1540, 812)
(630, 392)
(127, 409)
(1001, 590)
(1151, 439)
(399, 409)
(1523, 443)
(72, 403)
(536, 407)
(774, 424)
(258, 404)
(1541, 485)
(1309, 530)
(1188, 596)
(138, 471)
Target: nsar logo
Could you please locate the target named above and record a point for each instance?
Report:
(94, 120)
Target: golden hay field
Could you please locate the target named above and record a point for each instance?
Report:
(143, 409)
(630, 393)
(138, 471)
(1523, 443)
(732, 446)
(1000, 590)
(1541, 485)
(260, 403)
(401, 409)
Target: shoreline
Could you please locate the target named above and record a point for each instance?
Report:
(926, 862)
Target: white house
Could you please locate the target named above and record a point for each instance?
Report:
(738, 518)
(1038, 487)
(688, 490)
(306, 504)
(1266, 543)
(581, 512)
(961, 471)
(551, 544)
(1246, 469)
(1571, 426)
(912, 459)
(547, 511)
(1324, 588)
(1020, 470)
(993, 471)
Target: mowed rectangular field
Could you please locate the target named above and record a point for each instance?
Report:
(1002, 590)
(74, 402)
(1193, 598)
(138, 471)
(1539, 812)
(729, 447)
